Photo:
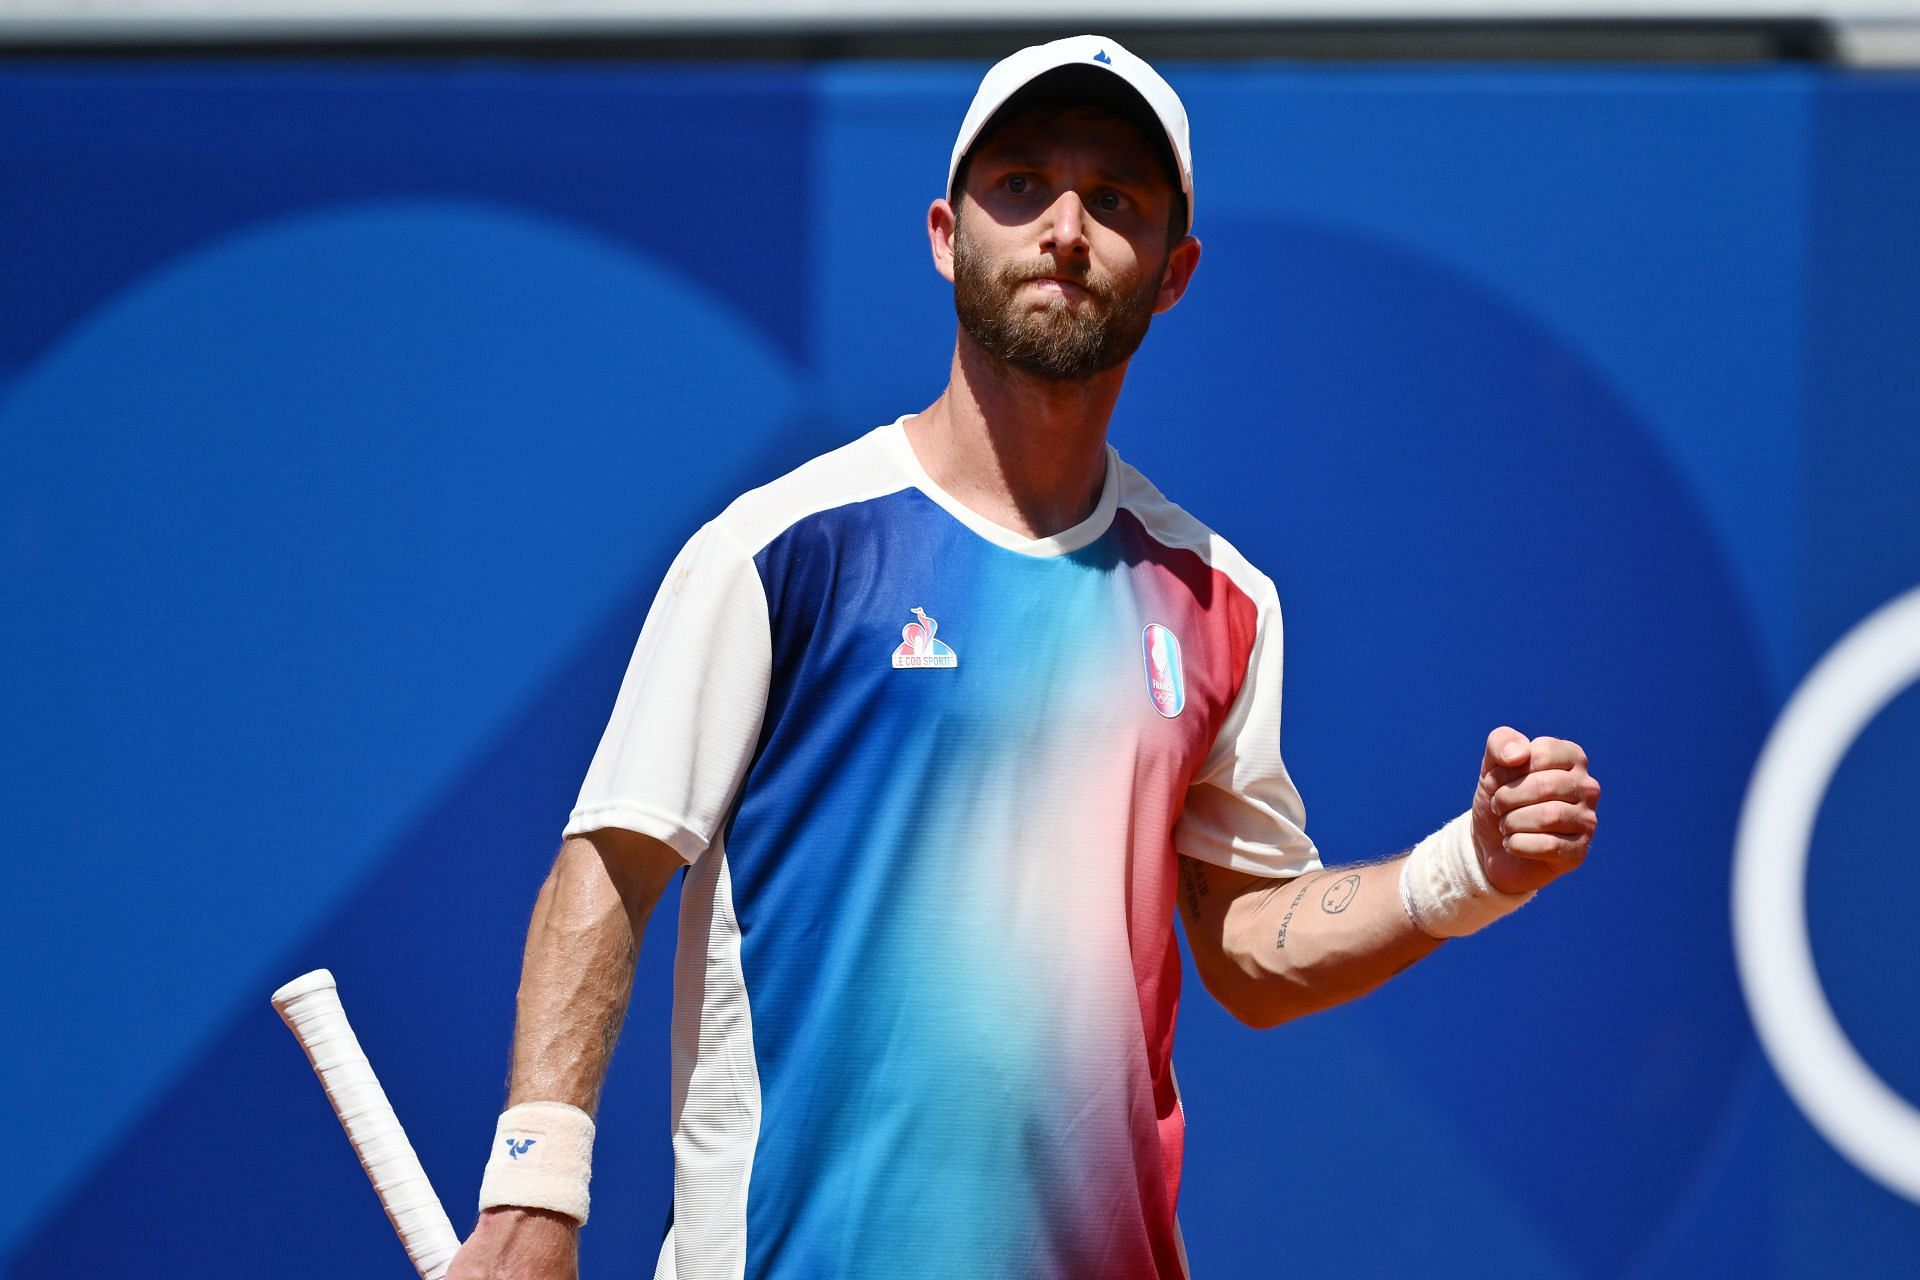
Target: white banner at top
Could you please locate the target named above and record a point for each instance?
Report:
(1885, 24)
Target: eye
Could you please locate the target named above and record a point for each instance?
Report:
(1109, 201)
(1018, 184)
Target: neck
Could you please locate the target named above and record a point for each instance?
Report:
(1028, 454)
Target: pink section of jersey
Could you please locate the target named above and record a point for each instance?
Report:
(1214, 623)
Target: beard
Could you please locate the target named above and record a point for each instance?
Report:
(1060, 342)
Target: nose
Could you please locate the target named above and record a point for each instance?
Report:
(1066, 227)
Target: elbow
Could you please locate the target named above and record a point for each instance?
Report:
(1258, 996)
(1264, 1015)
(1266, 1005)
(1264, 991)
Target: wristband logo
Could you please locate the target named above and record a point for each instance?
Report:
(1853, 1108)
(517, 1149)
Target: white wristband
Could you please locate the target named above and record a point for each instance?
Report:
(1444, 888)
(542, 1158)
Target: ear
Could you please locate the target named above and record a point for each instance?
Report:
(1181, 264)
(941, 223)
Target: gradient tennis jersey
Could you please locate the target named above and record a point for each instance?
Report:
(930, 777)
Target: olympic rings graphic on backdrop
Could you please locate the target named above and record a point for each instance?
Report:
(1873, 1126)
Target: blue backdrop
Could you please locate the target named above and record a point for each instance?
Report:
(349, 413)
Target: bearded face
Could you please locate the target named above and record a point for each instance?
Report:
(1063, 339)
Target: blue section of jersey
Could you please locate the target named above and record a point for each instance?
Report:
(909, 1080)
(850, 749)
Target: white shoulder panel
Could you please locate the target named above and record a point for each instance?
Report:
(858, 471)
(1171, 525)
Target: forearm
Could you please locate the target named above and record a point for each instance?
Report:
(575, 976)
(576, 973)
(1274, 951)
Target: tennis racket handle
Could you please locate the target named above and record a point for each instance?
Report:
(311, 1008)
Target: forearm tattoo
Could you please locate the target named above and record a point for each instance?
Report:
(1280, 943)
(1341, 895)
(1338, 897)
(1193, 878)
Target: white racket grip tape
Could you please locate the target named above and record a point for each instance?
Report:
(311, 1008)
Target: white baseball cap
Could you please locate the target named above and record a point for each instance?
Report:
(1100, 67)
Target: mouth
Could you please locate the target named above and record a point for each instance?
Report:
(1059, 286)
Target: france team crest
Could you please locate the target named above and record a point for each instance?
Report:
(1166, 681)
(918, 648)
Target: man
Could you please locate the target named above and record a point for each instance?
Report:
(943, 726)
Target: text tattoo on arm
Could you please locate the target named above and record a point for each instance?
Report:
(1194, 879)
(1280, 943)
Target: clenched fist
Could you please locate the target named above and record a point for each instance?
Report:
(1534, 811)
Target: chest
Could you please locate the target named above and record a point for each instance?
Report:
(1096, 654)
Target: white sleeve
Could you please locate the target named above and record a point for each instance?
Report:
(1242, 810)
(687, 720)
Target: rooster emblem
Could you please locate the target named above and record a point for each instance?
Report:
(918, 648)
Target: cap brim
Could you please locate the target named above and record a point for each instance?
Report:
(1095, 86)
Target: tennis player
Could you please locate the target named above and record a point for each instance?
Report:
(943, 728)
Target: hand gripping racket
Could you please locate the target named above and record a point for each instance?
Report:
(311, 1009)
